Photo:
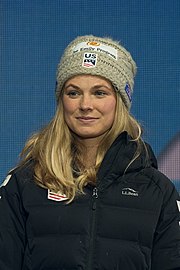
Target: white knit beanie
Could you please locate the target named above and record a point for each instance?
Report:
(102, 57)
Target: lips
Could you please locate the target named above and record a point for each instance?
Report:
(86, 119)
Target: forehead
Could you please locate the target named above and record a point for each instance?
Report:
(88, 80)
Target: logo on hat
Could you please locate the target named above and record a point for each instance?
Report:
(128, 91)
(94, 46)
(89, 60)
(93, 43)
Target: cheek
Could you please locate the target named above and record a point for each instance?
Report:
(68, 107)
(110, 108)
(110, 113)
(68, 112)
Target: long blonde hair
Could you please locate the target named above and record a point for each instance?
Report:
(58, 157)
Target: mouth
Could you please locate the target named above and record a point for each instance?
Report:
(86, 119)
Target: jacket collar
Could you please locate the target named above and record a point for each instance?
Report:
(119, 156)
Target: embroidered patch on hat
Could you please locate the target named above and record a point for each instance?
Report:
(93, 43)
(56, 196)
(89, 60)
(95, 46)
(128, 91)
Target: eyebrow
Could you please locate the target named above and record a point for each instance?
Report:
(71, 85)
(94, 87)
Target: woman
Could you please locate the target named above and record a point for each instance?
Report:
(87, 194)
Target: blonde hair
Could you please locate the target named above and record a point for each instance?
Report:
(58, 156)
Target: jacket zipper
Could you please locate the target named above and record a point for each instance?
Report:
(93, 224)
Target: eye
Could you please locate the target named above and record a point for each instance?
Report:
(72, 93)
(100, 93)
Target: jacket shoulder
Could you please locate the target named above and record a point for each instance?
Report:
(162, 182)
(18, 177)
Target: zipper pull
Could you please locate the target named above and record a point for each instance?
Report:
(95, 193)
(95, 196)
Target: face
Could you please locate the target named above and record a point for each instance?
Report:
(89, 104)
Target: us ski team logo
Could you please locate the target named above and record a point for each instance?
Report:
(89, 60)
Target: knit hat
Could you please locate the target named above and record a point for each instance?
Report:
(102, 57)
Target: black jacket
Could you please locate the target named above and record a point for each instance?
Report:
(127, 222)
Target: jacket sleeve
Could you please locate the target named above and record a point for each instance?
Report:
(166, 248)
(12, 226)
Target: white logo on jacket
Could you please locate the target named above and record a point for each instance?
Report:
(129, 192)
(178, 205)
(5, 182)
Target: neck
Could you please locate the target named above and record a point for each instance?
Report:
(89, 156)
(89, 151)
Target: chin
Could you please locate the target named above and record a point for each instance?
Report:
(90, 136)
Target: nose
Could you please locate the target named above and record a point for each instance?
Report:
(86, 103)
